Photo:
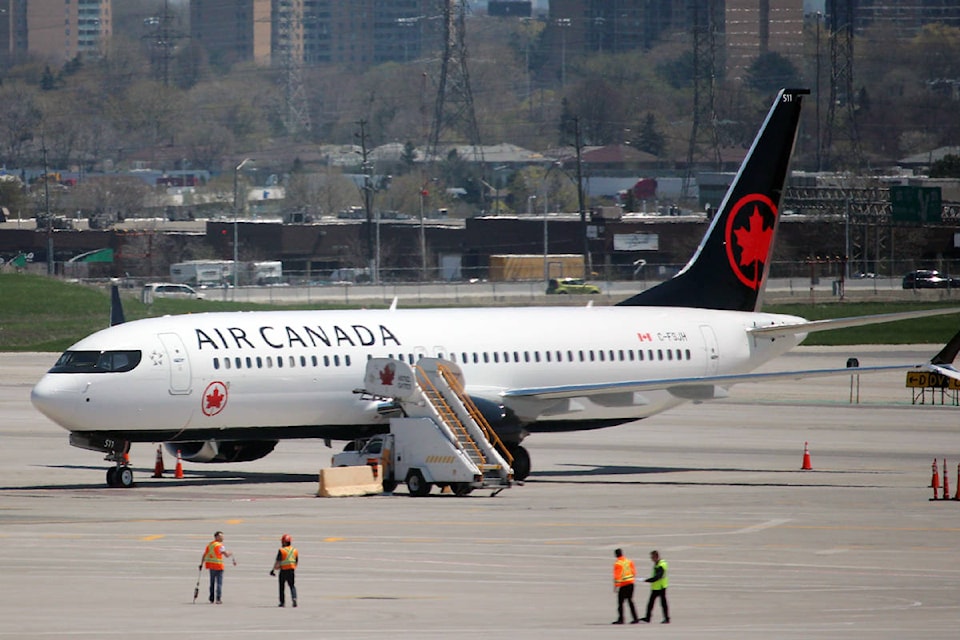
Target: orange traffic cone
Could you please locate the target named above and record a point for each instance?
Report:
(158, 466)
(806, 466)
(957, 497)
(935, 480)
(946, 481)
(178, 472)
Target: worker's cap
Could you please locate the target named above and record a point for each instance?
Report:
(286, 538)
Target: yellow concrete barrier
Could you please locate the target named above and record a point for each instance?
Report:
(337, 482)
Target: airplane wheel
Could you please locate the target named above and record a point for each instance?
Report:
(124, 477)
(461, 489)
(521, 463)
(112, 477)
(416, 485)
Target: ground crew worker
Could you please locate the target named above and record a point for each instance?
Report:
(286, 564)
(658, 587)
(212, 559)
(623, 576)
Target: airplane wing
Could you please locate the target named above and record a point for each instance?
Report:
(844, 323)
(706, 387)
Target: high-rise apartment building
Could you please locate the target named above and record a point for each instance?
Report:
(353, 33)
(741, 29)
(234, 30)
(57, 30)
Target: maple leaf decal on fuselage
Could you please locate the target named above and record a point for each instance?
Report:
(754, 216)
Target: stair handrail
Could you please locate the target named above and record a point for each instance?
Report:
(454, 383)
(455, 424)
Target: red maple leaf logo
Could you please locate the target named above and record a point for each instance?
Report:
(386, 375)
(752, 239)
(214, 398)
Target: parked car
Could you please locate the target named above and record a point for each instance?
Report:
(571, 285)
(929, 279)
(169, 290)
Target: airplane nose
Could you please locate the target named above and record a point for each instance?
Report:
(58, 397)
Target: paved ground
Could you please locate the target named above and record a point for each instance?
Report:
(757, 548)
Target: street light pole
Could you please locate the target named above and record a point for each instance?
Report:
(236, 213)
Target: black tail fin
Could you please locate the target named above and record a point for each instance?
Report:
(116, 308)
(730, 266)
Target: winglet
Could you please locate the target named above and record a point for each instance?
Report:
(729, 269)
(116, 308)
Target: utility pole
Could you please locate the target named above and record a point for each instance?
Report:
(367, 170)
(587, 267)
(46, 200)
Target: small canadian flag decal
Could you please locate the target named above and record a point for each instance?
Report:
(645, 337)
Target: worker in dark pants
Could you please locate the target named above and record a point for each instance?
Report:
(286, 563)
(658, 587)
(624, 574)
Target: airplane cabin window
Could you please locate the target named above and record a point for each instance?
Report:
(547, 355)
(96, 362)
(269, 362)
(336, 361)
(601, 354)
(279, 361)
(238, 363)
(536, 356)
(249, 362)
(216, 363)
(639, 354)
(486, 357)
(293, 361)
(259, 362)
(346, 361)
(569, 356)
(326, 361)
(303, 361)
(313, 360)
(496, 357)
(659, 354)
(687, 354)
(226, 363)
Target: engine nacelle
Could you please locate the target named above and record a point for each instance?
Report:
(503, 421)
(221, 451)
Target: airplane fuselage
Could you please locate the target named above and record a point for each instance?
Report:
(293, 373)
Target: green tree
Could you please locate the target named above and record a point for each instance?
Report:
(946, 167)
(771, 71)
(649, 138)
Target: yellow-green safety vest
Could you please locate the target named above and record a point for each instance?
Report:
(663, 581)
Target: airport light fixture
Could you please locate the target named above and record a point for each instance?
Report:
(236, 213)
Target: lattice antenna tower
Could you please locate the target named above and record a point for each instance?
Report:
(454, 110)
(289, 47)
(703, 131)
(841, 117)
(163, 41)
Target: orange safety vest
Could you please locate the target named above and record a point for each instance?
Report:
(623, 572)
(288, 558)
(213, 556)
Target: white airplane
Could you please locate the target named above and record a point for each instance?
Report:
(226, 387)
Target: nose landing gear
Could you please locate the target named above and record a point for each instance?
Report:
(120, 475)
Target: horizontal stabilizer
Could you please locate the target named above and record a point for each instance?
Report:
(784, 330)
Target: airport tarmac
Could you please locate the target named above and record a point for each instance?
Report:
(757, 547)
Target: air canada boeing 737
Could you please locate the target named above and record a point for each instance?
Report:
(226, 387)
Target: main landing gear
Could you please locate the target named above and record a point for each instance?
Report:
(521, 462)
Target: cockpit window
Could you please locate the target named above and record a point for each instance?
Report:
(96, 362)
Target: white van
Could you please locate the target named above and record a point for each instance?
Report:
(168, 290)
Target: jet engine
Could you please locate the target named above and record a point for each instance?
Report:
(506, 425)
(221, 451)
